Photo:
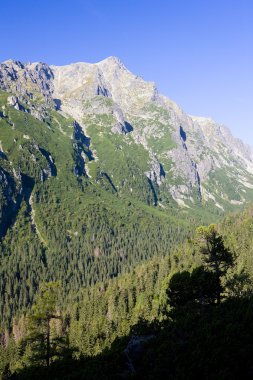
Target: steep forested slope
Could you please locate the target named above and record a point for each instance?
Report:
(109, 321)
(57, 224)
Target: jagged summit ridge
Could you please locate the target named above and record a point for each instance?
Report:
(108, 78)
(192, 152)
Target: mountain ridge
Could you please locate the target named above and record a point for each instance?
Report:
(99, 172)
(187, 150)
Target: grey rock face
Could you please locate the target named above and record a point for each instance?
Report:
(38, 111)
(156, 173)
(28, 82)
(14, 102)
(32, 81)
(121, 126)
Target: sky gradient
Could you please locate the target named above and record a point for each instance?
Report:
(199, 52)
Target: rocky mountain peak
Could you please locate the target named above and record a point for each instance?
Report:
(112, 61)
(190, 151)
(28, 81)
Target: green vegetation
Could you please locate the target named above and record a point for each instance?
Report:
(174, 300)
(93, 253)
(57, 224)
(217, 257)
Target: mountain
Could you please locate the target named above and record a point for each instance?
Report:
(100, 172)
(184, 159)
(101, 180)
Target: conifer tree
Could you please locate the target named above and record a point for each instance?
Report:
(217, 258)
(40, 338)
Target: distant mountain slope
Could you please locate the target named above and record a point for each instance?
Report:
(187, 160)
(55, 222)
(100, 172)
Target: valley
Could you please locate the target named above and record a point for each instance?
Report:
(103, 182)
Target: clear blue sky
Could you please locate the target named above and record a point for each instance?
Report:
(199, 52)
